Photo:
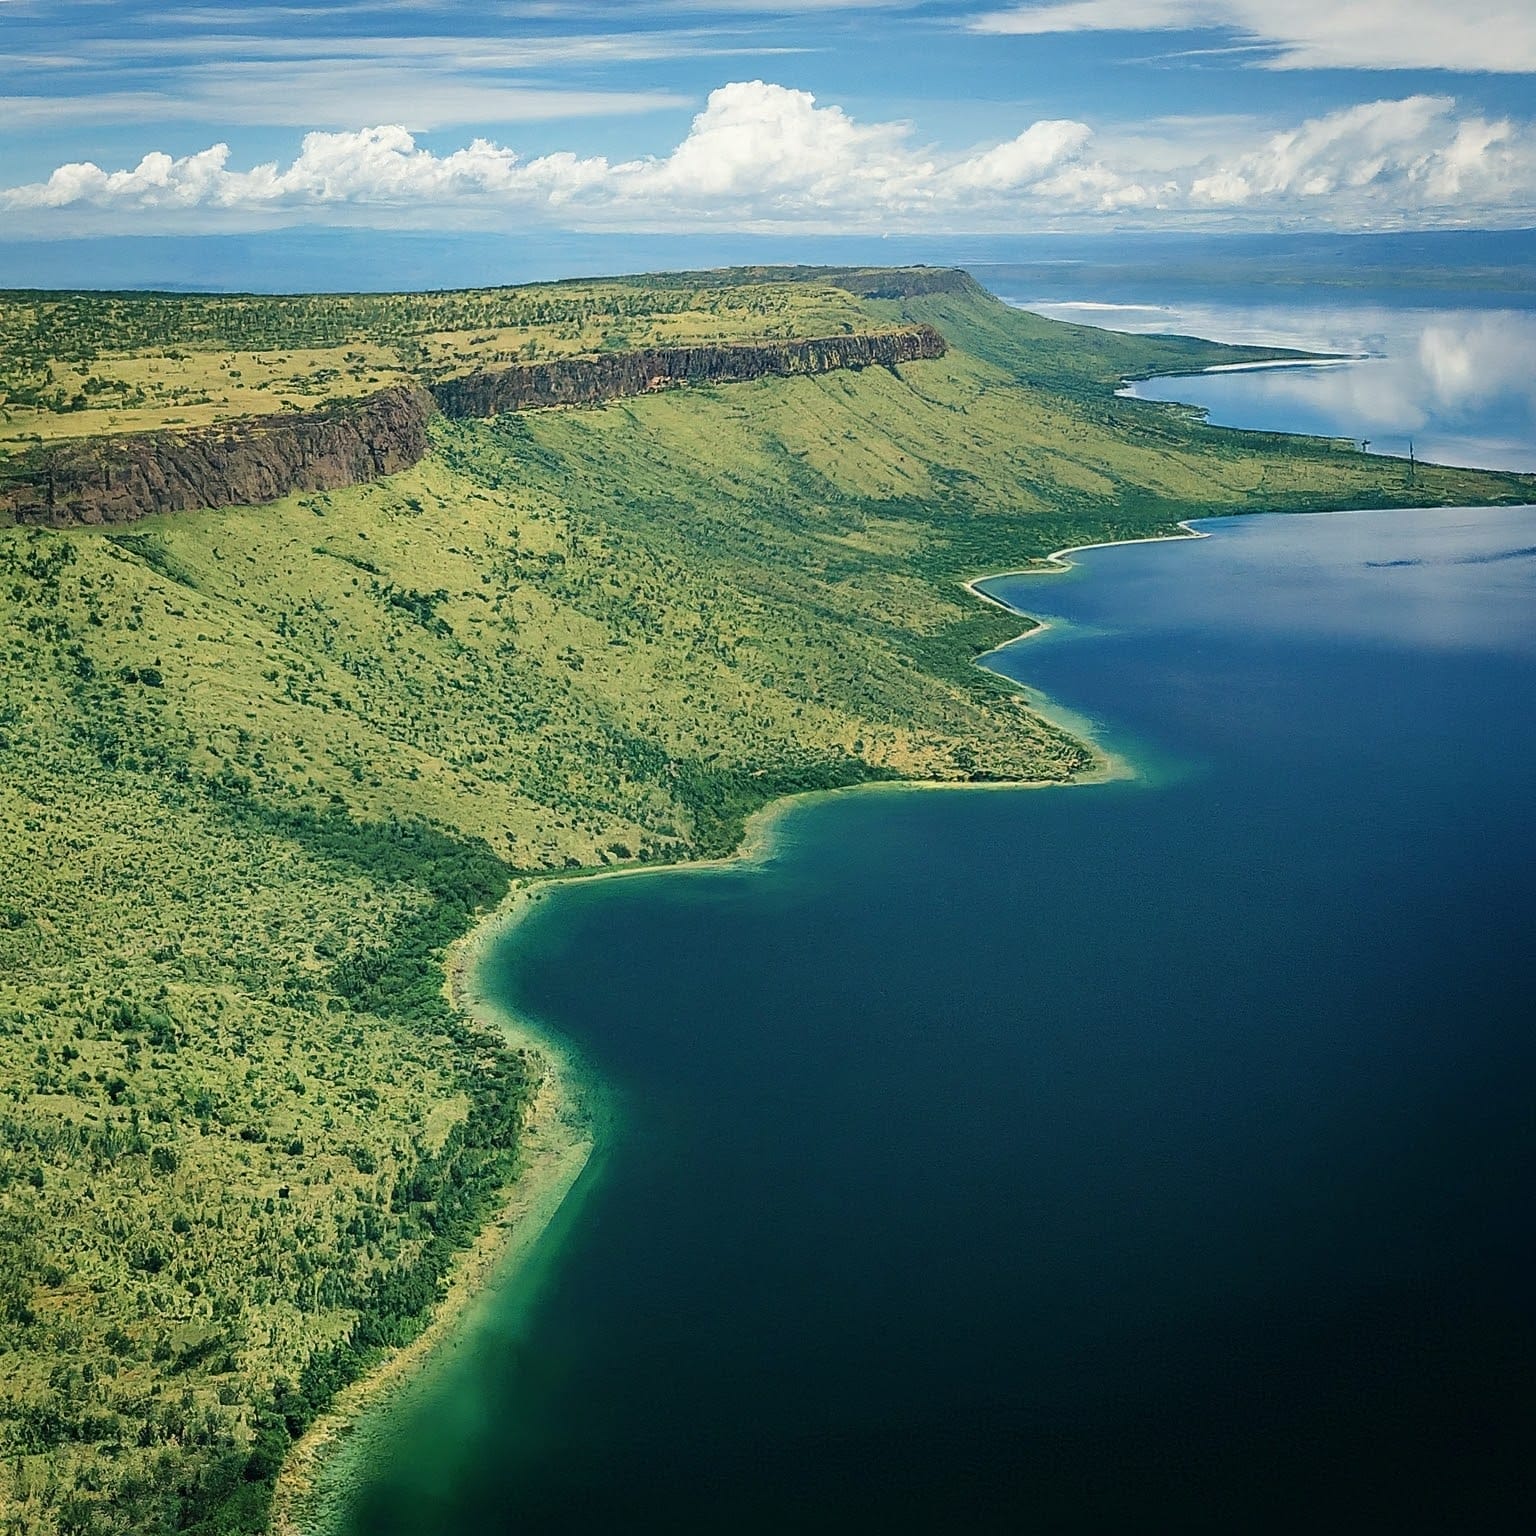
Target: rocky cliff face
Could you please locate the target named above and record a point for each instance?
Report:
(611, 375)
(118, 479)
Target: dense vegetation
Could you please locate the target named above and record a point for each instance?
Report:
(258, 766)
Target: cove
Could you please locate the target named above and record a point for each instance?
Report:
(1146, 1156)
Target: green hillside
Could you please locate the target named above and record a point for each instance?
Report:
(258, 766)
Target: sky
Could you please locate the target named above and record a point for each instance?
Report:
(547, 118)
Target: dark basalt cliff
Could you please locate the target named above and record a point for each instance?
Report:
(612, 375)
(119, 479)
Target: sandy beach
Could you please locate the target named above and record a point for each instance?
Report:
(1059, 560)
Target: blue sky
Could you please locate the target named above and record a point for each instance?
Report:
(819, 117)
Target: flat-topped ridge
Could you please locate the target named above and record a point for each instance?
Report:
(613, 375)
(862, 282)
(116, 479)
(260, 458)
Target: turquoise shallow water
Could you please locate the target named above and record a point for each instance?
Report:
(1152, 1156)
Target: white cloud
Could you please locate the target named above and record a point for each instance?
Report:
(1097, 188)
(766, 143)
(380, 166)
(1093, 16)
(1475, 35)
(764, 156)
(105, 107)
(774, 7)
(334, 93)
(757, 152)
(1413, 154)
(1022, 160)
(458, 51)
(303, 80)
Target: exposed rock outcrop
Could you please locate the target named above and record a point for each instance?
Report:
(119, 479)
(613, 375)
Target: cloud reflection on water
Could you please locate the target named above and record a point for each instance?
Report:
(1461, 383)
(1425, 580)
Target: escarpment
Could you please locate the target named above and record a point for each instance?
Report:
(261, 458)
(120, 479)
(613, 375)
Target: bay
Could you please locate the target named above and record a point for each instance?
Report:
(1145, 1156)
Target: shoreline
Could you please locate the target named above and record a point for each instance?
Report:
(560, 1136)
(1057, 561)
(301, 1505)
(1111, 764)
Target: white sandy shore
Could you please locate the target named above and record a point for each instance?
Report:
(1111, 765)
(1052, 565)
(1057, 561)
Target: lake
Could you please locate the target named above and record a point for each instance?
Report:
(1458, 384)
(1148, 1156)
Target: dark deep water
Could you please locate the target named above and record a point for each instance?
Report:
(1136, 1157)
(1153, 1156)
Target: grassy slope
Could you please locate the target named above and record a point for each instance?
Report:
(1080, 360)
(567, 638)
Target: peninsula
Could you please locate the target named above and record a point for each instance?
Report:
(331, 617)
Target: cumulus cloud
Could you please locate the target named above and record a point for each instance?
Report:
(1022, 160)
(374, 165)
(156, 181)
(765, 156)
(1413, 154)
(757, 152)
(769, 144)
(1477, 35)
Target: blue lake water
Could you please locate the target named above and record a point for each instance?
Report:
(1458, 384)
(1154, 1156)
